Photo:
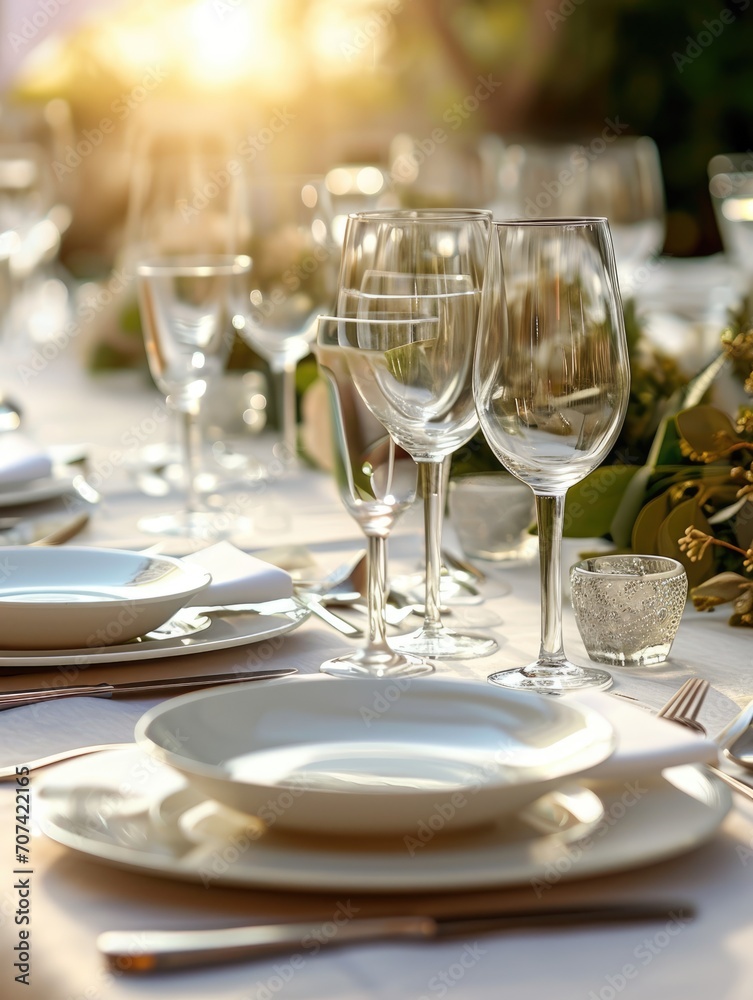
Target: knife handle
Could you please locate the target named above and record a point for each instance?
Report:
(152, 951)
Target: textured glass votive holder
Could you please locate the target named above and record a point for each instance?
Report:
(628, 607)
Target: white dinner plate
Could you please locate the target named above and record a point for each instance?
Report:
(93, 805)
(375, 755)
(225, 629)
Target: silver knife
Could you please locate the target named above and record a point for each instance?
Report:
(282, 606)
(157, 951)
(31, 696)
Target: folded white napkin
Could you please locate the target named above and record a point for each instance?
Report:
(21, 460)
(238, 578)
(645, 744)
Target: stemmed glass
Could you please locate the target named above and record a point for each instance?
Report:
(182, 201)
(284, 223)
(377, 482)
(624, 183)
(187, 307)
(551, 382)
(424, 268)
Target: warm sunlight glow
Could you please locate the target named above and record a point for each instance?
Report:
(348, 35)
(225, 40)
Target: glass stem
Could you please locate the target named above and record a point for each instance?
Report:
(376, 564)
(431, 474)
(286, 409)
(191, 447)
(550, 512)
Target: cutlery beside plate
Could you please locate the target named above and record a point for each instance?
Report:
(158, 951)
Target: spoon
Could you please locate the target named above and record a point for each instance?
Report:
(737, 740)
(10, 414)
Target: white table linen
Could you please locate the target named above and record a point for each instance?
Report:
(73, 899)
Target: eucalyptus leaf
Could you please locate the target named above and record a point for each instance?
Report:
(645, 529)
(721, 588)
(592, 503)
(672, 529)
(708, 431)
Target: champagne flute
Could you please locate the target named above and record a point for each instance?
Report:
(377, 482)
(424, 268)
(188, 305)
(551, 382)
(284, 224)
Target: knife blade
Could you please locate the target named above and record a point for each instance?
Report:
(156, 951)
(31, 696)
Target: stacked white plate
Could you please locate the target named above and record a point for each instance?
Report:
(377, 786)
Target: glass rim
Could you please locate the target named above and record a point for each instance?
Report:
(193, 264)
(574, 221)
(417, 215)
(586, 567)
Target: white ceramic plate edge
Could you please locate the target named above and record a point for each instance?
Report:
(245, 628)
(662, 823)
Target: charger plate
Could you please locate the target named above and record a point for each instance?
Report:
(159, 826)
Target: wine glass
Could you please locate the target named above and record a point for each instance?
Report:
(377, 482)
(624, 183)
(424, 268)
(551, 382)
(182, 201)
(284, 225)
(188, 306)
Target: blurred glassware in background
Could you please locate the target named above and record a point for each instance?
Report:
(624, 183)
(731, 188)
(357, 187)
(533, 180)
(618, 177)
(443, 174)
(284, 224)
(188, 305)
(183, 200)
(491, 513)
(42, 296)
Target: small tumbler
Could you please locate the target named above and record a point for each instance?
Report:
(491, 513)
(628, 607)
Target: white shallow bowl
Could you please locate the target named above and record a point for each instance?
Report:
(374, 756)
(75, 597)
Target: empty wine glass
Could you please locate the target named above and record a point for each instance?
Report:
(284, 225)
(181, 202)
(624, 183)
(551, 382)
(425, 269)
(188, 305)
(377, 482)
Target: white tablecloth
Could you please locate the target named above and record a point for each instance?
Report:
(74, 899)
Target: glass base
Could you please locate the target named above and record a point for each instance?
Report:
(445, 644)
(548, 679)
(204, 525)
(368, 663)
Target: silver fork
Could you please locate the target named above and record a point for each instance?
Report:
(685, 704)
(683, 708)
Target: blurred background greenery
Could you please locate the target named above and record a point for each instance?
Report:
(347, 75)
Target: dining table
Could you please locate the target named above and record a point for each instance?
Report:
(63, 899)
